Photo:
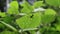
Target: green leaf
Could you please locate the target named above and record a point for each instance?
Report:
(32, 32)
(48, 16)
(27, 8)
(38, 4)
(24, 21)
(53, 2)
(13, 9)
(57, 27)
(28, 22)
(2, 14)
(36, 20)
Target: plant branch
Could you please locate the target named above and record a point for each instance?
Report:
(28, 29)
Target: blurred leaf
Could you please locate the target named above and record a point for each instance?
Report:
(8, 19)
(28, 22)
(32, 32)
(2, 26)
(24, 21)
(36, 20)
(57, 27)
(58, 18)
(51, 32)
(8, 32)
(53, 3)
(2, 14)
(27, 8)
(38, 4)
(48, 16)
(13, 9)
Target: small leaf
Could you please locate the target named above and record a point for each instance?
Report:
(48, 16)
(53, 3)
(27, 8)
(2, 14)
(13, 9)
(38, 4)
(57, 27)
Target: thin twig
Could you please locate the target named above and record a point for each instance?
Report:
(28, 29)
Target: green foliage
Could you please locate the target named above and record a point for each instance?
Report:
(48, 16)
(57, 26)
(7, 19)
(36, 19)
(24, 22)
(27, 8)
(8, 32)
(2, 14)
(2, 26)
(27, 22)
(52, 32)
(58, 18)
(47, 21)
(13, 9)
(53, 3)
(38, 4)
(32, 32)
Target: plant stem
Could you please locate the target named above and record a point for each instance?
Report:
(28, 29)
